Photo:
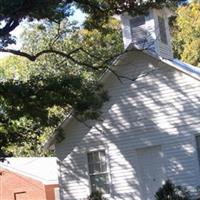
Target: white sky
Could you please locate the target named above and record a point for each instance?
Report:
(78, 16)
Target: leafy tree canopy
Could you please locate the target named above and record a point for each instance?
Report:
(38, 95)
(13, 12)
(186, 34)
(67, 63)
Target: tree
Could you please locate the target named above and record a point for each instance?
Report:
(45, 100)
(13, 12)
(96, 196)
(14, 67)
(186, 34)
(25, 104)
(170, 191)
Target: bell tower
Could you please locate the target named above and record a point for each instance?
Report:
(148, 32)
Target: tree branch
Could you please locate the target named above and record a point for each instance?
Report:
(49, 51)
(10, 26)
(104, 65)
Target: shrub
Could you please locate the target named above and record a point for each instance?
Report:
(96, 196)
(198, 193)
(169, 191)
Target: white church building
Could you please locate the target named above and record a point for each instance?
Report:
(150, 130)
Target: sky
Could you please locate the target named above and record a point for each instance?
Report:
(78, 16)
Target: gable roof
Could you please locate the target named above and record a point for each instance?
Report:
(175, 63)
(43, 169)
(184, 67)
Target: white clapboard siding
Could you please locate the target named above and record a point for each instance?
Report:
(159, 108)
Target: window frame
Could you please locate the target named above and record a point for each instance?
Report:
(137, 21)
(138, 31)
(197, 149)
(107, 194)
(18, 193)
(57, 193)
(162, 33)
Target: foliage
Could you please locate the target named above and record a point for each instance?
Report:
(96, 196)
(186, 34)
(13, 12)
(171, 192)
(13, 67)
(198, 193)
(39, 98)
(67, 63)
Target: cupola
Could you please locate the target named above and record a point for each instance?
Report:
(149, 32)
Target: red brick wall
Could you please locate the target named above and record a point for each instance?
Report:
(14, 186)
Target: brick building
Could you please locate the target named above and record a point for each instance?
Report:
(29, 179)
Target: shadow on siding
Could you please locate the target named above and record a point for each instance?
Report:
(159, 108)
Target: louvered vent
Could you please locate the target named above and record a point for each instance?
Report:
(138, 30)
(162, 30)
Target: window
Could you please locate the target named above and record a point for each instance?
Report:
(198, 146)
(138, 31)
(97, 166)
(20, 195)
(162, 30)
(137, 21)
